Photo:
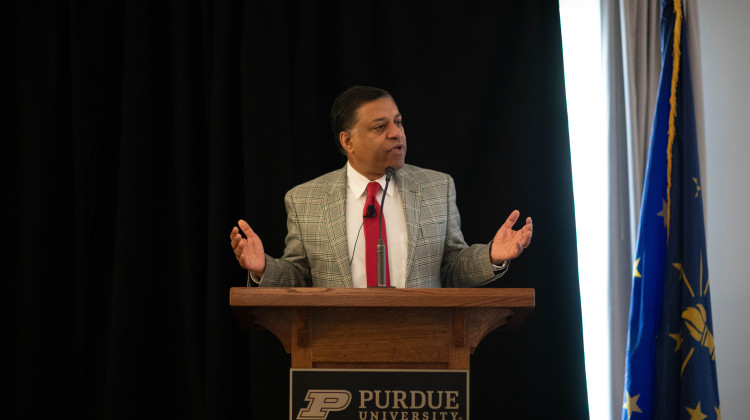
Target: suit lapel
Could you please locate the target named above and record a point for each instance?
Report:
(334, 219)
(410, 198)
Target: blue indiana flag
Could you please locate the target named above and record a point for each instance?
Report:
(670, 367)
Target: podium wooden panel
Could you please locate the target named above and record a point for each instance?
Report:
(380, 328)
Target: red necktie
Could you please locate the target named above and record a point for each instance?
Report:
(372, 234)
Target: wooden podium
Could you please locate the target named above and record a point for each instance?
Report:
(385, 328)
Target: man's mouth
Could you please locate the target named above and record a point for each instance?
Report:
(397, 148)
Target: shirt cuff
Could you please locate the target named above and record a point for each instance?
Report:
(500, 267)
(252, 278)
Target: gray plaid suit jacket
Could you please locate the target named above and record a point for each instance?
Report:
(317, 252)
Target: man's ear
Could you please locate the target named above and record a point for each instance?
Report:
(346, 141)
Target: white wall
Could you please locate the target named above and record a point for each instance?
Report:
(724, 31)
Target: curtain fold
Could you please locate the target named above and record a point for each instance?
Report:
(641, 46)
(620, 239)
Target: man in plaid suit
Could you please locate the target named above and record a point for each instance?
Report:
(425, 245)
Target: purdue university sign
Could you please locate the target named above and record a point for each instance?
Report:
(379, 394)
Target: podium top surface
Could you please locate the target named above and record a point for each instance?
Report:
(517, 298)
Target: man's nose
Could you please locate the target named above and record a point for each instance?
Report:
(394, 131)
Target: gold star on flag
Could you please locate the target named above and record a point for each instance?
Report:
(695, 413)
(631, 404)
(664, 213)
(697, 186)
(636, 273)
(718, 413)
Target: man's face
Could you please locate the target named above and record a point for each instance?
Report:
(377, 139)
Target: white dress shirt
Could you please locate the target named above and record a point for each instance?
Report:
(395, 228)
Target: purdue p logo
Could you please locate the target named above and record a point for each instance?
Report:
(321, 401)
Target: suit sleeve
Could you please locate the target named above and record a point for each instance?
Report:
(463, 265)
(293, 268)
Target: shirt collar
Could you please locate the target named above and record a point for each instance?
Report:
(358, 182)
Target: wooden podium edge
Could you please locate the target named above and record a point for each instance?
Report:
(474, 313)
(520, 298)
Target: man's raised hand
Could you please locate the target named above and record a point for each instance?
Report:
(248, 250)
(509, 243)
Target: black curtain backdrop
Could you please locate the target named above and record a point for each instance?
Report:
(137, 133)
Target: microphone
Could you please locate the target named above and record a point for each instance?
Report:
(389, 173)
(370, 211)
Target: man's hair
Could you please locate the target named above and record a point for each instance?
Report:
(344, 108)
